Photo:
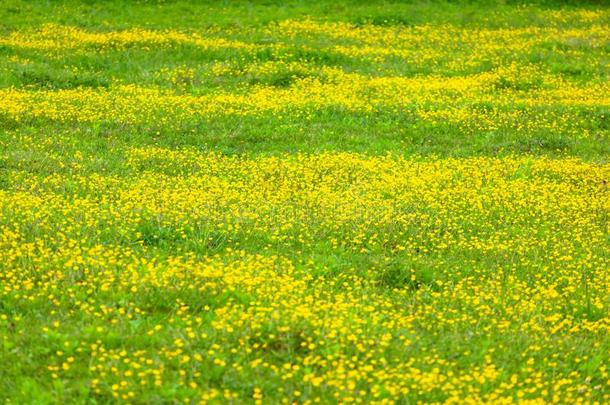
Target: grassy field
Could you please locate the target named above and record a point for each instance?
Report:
(304, 202)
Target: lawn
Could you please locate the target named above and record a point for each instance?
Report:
(304, 202)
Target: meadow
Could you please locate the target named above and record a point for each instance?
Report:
(304, 202)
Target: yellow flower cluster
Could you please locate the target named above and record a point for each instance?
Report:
(426, 44)
(235, 313)
(417, 44)
(517, 96)
(59, 38)
(469, 101)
